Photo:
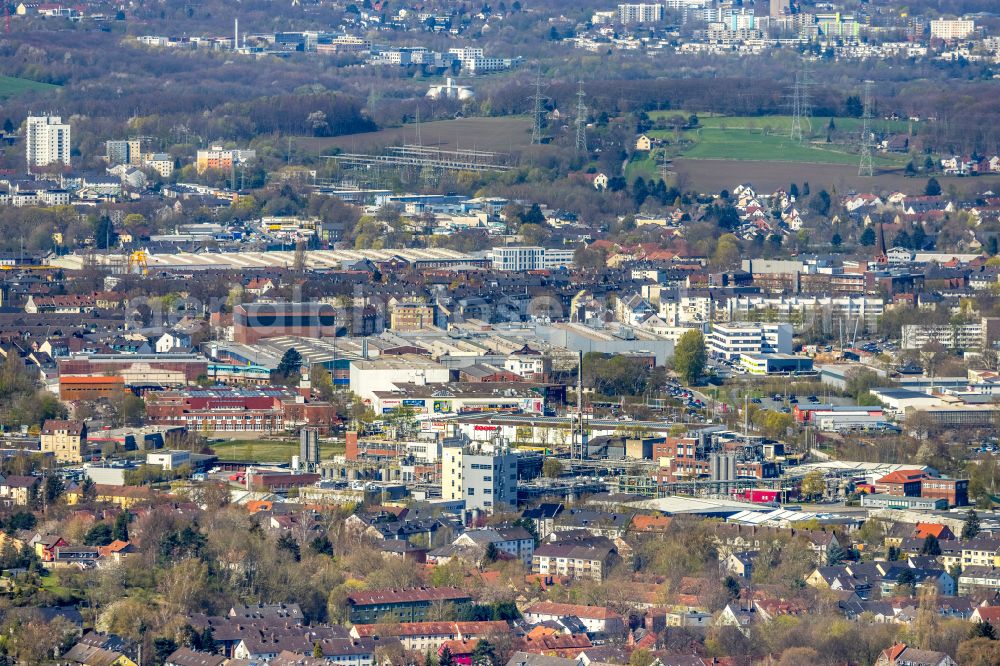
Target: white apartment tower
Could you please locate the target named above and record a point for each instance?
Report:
(483, 474)
(632, 14)
(47, 141)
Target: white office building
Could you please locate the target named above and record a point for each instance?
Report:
(530, 258)
(382, 374)
(47, 141)
(483, 474)
(729, 341)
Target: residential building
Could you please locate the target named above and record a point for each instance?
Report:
(952, 29)
(633, 14)
(596, 619)
(483, 474)
(123, 151)
(530, 258)
(729, 341)
(978, 334)
(514, 542)
(423, 636)
(47, 141)
(573, 560)
(408, 605)
(65, 440)
(411, 316)
(903, 655)
(218, 158)
(161, 163)
(19, 490)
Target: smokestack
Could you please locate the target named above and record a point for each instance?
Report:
(236, 34)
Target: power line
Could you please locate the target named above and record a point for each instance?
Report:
(538, 110)
(865, 167)
(801, 103)
(581, 121)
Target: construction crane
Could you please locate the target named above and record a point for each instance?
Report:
(138, 263)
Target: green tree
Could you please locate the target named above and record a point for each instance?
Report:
(529, 525)
(492, 554)
(732, 586)
(483, 654)
(551, 468)
(820, 204)
(641, 657)
(321, 545)
(813, 484)
(104, 233)
(931, 546)
(163, 647)
(100, 534)
(835, 555)
(120, 531)
(287, 543)
(446, 658)
(983, 630)
(290, 364)
(933, 188)
(317, 650)
(690, 356)
(970, 528)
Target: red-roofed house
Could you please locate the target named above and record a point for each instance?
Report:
(597, 619)
(461, 651)
(989, 614)
(936, 530)
(901, 483)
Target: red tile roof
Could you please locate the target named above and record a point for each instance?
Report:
(562, 610)
(413, 595)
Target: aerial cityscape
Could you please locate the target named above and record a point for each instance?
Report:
(542, 333)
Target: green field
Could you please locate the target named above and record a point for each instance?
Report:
(766, 139)
(11, 87)
(713, 144)
(647, 168)
(816, 126)
(269, 450)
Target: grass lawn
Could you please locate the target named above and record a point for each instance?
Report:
(784, 123)
(765, 138)
(10, 86)
(52, 583)
(743, 144)
(647, 168)
(263, 450)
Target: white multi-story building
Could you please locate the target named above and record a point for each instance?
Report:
(47, 141)
(484, 475)
(530, 258)
(632, 14)
(803, 311)
(474, 60)
(951, 29)
(729, 341)
(973, 335)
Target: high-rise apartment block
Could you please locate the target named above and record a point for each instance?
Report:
(47, 141)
